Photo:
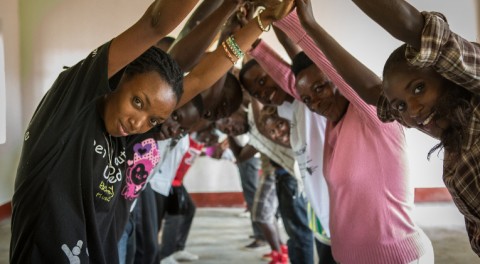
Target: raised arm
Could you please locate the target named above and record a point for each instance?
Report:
(257, 107)
(365, 82)
(191, 47)
(290, 47)
(215, 64)
(204, 9)
(160, 19)
(399, 18)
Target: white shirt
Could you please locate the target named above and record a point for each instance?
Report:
(280, 154)
(307, 136)
(164, 172)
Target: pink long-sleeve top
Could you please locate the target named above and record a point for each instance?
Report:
(365, 168)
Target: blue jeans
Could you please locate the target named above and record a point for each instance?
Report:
(293, 209)
(249, 175)
(126, 245)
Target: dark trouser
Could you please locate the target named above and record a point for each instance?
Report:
(126, 245)
(324, 253)
(249, 170)
(146, 228)
(160, 207)
(176, 229)
(293, 209)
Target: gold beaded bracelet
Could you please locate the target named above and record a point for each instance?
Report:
(260, 24)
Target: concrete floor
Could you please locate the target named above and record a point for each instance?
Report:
(219, 234)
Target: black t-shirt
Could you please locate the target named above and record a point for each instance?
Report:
(70, 174)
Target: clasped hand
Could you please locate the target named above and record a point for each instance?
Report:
(275, 9)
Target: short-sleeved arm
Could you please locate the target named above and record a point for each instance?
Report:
(276, 67)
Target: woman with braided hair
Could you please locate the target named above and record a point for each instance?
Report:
(72, 166)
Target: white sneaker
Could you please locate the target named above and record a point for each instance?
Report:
(169, 260)
(184, 255)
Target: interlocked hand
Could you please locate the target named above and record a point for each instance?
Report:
(276, 9)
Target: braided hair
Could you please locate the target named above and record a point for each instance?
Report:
(154, 59)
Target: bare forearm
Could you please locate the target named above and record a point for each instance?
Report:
(399, 18)
(160, 19)
(204, 9)
(189, 50)
(167, 14)
(256, 108)
(215, 64)
(247, 152)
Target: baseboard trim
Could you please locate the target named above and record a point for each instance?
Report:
(428, 195)
(235, 199)
(5, 210)
(219, 199)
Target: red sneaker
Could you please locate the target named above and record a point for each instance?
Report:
(279, 258)
(267, 256)
(284, 249)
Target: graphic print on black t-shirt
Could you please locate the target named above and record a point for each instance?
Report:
(145, 157)
(113, 169)
(73, 254)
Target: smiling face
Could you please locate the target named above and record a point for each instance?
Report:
(262, 87)
(415, 94)
(179, 122)
(278, 130)
(319, 94)
(234, 125)
(139, 103)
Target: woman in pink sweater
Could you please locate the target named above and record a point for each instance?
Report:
(364, 165)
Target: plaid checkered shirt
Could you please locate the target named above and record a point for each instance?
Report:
(457, 60)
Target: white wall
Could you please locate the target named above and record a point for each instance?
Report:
(55, 33)
(11, 101)
(212, 175)
(3, 95)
